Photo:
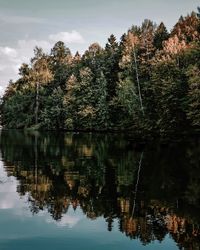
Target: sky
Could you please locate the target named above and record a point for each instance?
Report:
(27, 23)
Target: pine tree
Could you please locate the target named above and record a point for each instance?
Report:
(111, 66)
(61, 64)
(161, 35)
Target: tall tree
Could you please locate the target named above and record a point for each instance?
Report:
(111, 65)
(161, 35)
(60, 64)
(102, 112)
(129, 61)
(193, 113)
(71, 102)
(170, 91)
(41, 74)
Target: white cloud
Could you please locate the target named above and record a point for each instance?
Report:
(12, 57)
(67, 37)
(8, 51)
(1, 90)
(2, 67)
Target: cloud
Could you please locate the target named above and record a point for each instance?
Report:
(11, 58)
(67, 37)
(8, 51)
(1, 90)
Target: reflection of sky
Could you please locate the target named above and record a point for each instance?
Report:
(9, 199)
(70, 219)
(20, 230)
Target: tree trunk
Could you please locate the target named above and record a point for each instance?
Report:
(138, 82)
(136, 185)
(37, 103)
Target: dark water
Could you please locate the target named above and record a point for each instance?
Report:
(96, 191)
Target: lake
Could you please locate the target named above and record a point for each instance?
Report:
(97, 191)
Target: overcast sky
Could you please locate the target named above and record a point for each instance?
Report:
(27, 23)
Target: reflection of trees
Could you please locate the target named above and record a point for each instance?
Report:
(100, 174)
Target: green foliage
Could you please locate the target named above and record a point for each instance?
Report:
(147, 83)
(169, 93)
(52, 113)
(102, 112)
(18, 111)
(193, 113)
(127, 96)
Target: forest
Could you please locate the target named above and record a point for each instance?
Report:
(147, 83)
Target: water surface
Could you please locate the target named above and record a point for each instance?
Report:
(97, 191)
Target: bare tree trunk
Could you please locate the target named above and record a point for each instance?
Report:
(37, 103)
(138, 82)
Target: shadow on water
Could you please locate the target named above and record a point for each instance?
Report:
(152, 192)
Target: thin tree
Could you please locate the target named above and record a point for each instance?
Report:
(138, 81)
(134, 41)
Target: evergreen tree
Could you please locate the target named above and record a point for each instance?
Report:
(102, 111)
(53, 112)
(161, 35)
(169, 91)
(193, 113)
(60, 61)
(71, 103)
(111, 65)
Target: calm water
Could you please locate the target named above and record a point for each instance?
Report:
(95, 191)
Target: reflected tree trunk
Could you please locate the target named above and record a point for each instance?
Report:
(136, 185)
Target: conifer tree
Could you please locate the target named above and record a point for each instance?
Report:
(193, 113)
(161, 35)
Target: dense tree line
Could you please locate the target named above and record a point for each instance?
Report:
(147, 82)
